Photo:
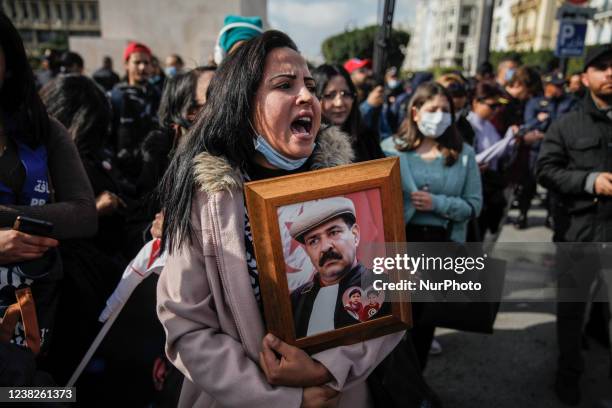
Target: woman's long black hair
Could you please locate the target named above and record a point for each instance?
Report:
(81, 106)
(18, 96)
(365, 141)
(222, 129)
(322, 75)
(178, 100)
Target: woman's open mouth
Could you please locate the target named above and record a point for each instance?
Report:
(301, 126)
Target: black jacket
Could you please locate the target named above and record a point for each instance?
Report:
(367, 146)
(303, 298)
(577, 144)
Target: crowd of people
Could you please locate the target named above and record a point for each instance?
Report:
(114, 162)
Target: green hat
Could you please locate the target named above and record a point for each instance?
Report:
(233, 35)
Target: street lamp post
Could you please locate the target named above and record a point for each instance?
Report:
(485, 36)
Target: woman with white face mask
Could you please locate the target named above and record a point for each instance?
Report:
(440, 176)
(440, 180)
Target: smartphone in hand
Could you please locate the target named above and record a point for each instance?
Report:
(33, 226)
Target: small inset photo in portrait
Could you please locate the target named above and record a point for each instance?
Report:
(363, 304)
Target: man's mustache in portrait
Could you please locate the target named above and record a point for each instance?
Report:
(329, 255)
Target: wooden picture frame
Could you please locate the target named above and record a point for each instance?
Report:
(265, 197)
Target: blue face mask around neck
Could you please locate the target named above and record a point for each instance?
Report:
(275, 158)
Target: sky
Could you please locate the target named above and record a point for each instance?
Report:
(310, 22)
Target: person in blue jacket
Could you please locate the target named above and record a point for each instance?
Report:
(540, 112)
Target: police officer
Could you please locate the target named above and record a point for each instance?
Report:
(135, 102)
(540, 112)
(575, 162)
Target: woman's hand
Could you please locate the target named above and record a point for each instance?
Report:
(107, 203)
(158, 225)
(376, 98)
(295, 368)
(421, 200)
(320, 397)
(16, 246)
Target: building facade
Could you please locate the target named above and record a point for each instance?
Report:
(189, 30)
(48, 23)
(534, 25)
(418, 56)
(446, 34)
(599, 30)
(502, 25)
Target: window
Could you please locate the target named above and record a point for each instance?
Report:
(27, 35)
(35, 11)
(450, 28)
(466, 11)
(25, 12)
(45, 36)
(12, 10)
(59, 12)
(465, 30)
(47, 9)
(69, 12)
(93, 11)
(500, 3)
(449, 45)
(81, 9)
(461, 47)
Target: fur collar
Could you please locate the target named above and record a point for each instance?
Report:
(214, 173)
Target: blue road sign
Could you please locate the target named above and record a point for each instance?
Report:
(570, 41)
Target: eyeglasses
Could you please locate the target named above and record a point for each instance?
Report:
(345, 95)
(492, 106)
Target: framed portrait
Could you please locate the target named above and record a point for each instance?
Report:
(316, 235)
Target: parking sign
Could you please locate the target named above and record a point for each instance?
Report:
(570, 41)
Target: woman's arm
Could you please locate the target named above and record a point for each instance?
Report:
(74, 211)
(213, 360)
(469, 203)
(350, 365)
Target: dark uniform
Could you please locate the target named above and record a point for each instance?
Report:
(554, 108)
(575, 149)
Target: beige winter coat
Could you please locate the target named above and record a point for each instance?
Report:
(207, 307)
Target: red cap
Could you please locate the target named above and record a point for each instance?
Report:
(356, 63)
(135, 47)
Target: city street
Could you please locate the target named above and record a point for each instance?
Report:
(515, 366)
